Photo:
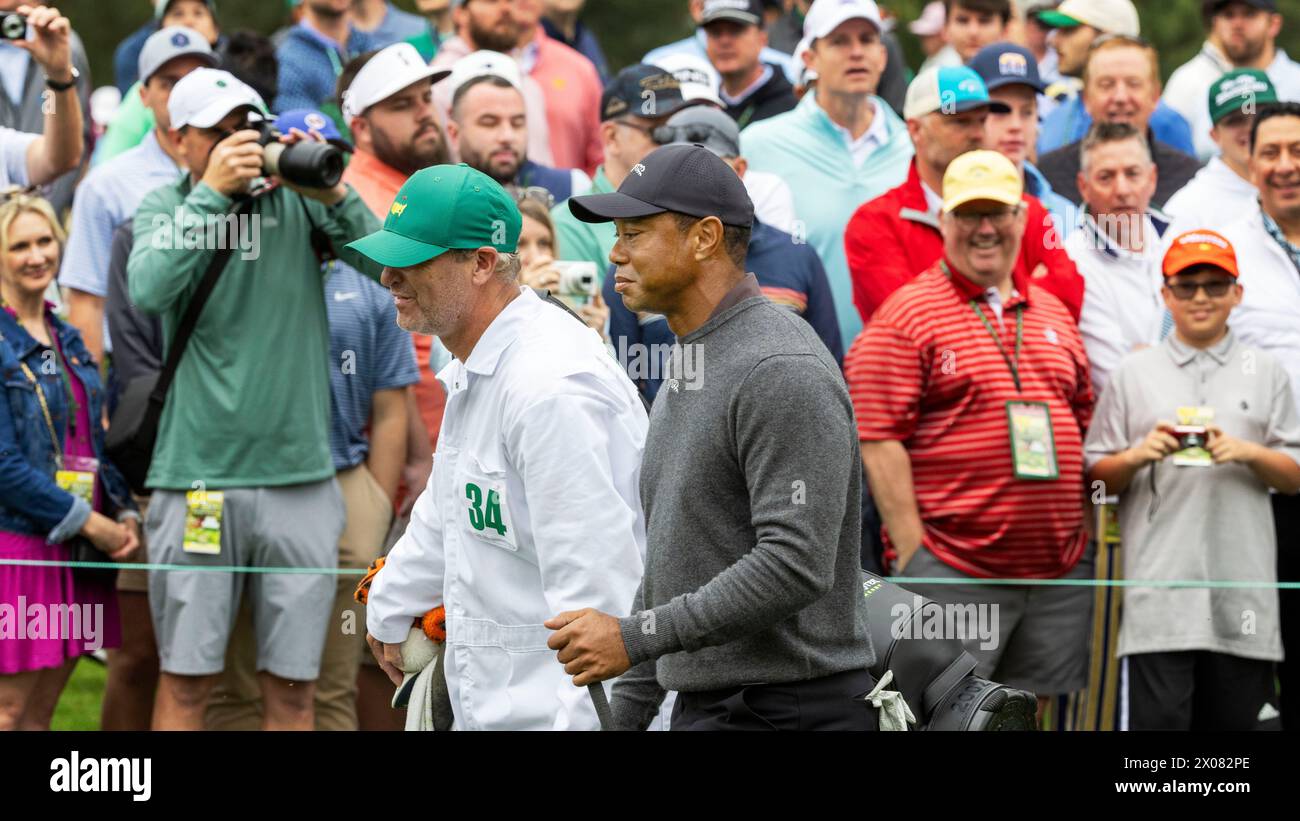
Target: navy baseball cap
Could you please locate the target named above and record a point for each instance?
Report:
(745, 12)
(686, 179)
(308, 119)
(1004, 64)
(626, 93)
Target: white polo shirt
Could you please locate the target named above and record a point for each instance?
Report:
(1122, 306)
(532, 509)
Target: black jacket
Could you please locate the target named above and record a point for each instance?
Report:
(1173, 170)
(776, 96)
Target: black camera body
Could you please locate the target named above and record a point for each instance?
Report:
(13, 26)
(309, 164)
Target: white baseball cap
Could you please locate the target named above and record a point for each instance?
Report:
(206, 95)
(484, 63)
(698, 78)
(826, 15)
(388, 72)
(1107, 16)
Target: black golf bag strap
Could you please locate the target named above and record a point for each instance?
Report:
(934, 693)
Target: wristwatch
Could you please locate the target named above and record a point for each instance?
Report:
(52, 85)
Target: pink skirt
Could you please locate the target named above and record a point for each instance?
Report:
(47, 614)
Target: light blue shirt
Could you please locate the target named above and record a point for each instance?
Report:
(806, 149)
(397, 26)
(695, 45)
(106, 198)
(13, 157)
(13, 70)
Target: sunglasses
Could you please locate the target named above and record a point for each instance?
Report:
(999, 219)
(1215, 288)
(693, 133)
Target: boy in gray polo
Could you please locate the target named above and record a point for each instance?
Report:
(1198, 657)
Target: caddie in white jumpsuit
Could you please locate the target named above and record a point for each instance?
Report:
(532, 507)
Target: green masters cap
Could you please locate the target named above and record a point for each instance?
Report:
(439, 208)
(1240, 91)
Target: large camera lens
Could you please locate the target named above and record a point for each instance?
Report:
(309, 164)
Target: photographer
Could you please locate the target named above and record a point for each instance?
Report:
(248, 413)
(1193, 659)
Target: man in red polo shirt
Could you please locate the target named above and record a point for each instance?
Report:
(971, 391)
(896, 236)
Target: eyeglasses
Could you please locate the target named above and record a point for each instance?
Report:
(1214, 289)
(998, 219)
(694, 133)
(535, 193)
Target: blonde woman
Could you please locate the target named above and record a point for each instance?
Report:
(55, 483)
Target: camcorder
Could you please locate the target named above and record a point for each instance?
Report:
(307, 163)
(578, 282)
(13, 26)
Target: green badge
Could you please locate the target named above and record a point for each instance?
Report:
(484, 514)
(1033, 446)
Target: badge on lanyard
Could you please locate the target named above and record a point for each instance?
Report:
(1033, 447)
(203, 521)
(77, 476)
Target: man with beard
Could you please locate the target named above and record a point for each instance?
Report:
(1267, 241)
(489, 127)
(313, 52)
(1242, 34)
(491, 25)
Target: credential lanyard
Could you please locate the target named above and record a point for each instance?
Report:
(1012, 364)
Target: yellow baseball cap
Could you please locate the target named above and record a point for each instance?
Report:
(981, 175)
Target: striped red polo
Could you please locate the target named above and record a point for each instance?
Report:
(927, 372)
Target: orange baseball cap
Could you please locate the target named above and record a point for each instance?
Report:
(1199, 247)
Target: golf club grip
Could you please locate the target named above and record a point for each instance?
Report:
(598, 698)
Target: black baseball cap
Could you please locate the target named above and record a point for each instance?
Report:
(1004, 64)
(626, 93)
(686, 179)
(745, 12)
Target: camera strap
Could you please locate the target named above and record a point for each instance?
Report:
(321, 244)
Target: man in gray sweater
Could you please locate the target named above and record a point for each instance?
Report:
(751, 605)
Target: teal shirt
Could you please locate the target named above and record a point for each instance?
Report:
(579, 241)
(250, 404)
(803, 148)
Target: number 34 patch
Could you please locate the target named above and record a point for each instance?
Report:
(485, 513)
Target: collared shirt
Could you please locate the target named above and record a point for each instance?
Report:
(994, 298)
(526, 514)
(1275, 231)
(926, 372)
(745, 94)
(14, 63)
(376, 181)
(1122, 306)
(933, 201)
(13, 156)
(1198, 523)
(876, 135)
(741, 291)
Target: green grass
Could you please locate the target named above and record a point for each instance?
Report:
(79, 705)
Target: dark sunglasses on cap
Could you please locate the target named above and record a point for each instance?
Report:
(692, 133)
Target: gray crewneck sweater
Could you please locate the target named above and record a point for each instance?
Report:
(751, 484)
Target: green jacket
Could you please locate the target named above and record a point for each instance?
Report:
(579, 241)
(250, 404)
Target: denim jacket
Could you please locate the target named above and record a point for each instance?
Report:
(30, 500)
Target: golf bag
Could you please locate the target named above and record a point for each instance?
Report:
(936, 676)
